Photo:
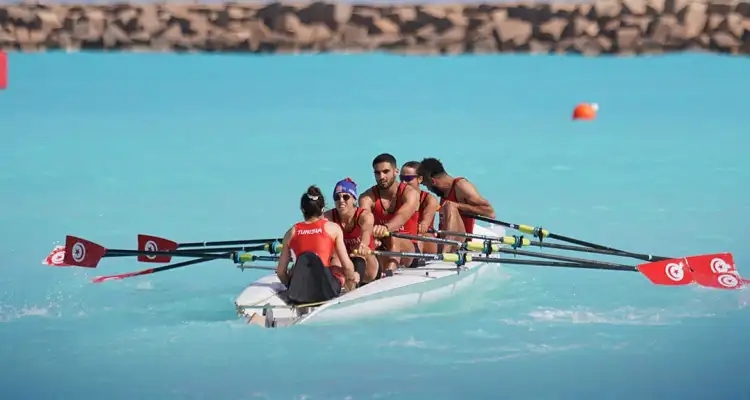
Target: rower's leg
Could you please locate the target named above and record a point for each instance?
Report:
(370, 270)
(452, 220)
(389, 263)
(428, 247)
(404, 246)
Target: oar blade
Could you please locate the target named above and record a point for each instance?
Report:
(82, 253)
(672, 272)
(726, 281)
(712, 264)
(155, 243)
(716, 271)
(56, 257)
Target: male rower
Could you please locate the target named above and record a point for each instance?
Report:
(357, 224)
(428, 205)
(457, 196)
(394, 206)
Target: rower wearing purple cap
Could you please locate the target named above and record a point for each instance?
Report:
(357, 224)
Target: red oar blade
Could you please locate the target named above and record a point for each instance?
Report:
(712, 264)
(726, 281)
(155, 243)
(672, 272)
(100, 279)
(56, 258)
(82, 253)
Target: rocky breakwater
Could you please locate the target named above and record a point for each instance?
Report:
(603, 27)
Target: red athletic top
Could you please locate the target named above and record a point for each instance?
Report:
(468, 222)
(312, 237)
(422, 204)
(352, 238)
(382, 216)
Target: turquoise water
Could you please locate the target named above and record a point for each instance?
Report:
(220, 147)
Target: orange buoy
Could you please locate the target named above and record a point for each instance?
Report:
(585, 111)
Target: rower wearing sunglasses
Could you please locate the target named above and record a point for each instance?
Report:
(457, 196)
(428, 205)
(357, 224)
(394, 206)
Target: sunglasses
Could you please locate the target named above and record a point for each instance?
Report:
(339, 196)
(407, 178)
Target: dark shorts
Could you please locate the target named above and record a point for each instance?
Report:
(311, 281)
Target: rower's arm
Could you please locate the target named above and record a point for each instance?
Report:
(430, 209)
(366, 222)
(341, 252)
(367, 200)
(409, 205)
(470, 201)
(284, 258)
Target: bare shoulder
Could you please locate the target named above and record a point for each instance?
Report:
(328, 214)
(465, 186)
(288, 234)
(367, 193)
(332, 229)
(410, 191)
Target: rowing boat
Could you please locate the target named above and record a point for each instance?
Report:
(406, 288)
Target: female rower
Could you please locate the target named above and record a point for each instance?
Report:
(356, 223)
(321, 263)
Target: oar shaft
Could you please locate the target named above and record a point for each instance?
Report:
(510, 240)
(454, 257)
(425, 238)
(212, 254)
(545, 233)
(557, 264)
(556, 257)
(227, 242)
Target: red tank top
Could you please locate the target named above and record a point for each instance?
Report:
(312, 237)
(382, 216)
(352, 238)
(422, 204)
(468, 222)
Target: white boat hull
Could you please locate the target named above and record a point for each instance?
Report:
(408, 287)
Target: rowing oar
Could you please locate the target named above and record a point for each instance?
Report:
(235, 256)
(519, 241)
(488, 249)
(155, 243)
(541, 233)
(665, 273)
(85, 253)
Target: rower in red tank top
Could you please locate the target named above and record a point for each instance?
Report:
(352, 237)
(457, 197)
(393, 206)
(311, 237)
(357, 224)
(468, 222)
(383, 216)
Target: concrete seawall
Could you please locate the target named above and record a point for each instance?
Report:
(603, 27)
